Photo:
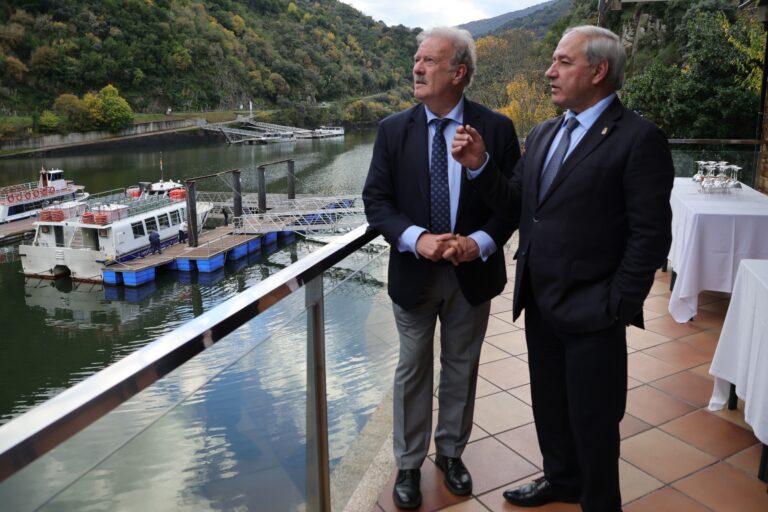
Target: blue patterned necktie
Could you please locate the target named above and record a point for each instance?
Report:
(440, 197)
(556, 162)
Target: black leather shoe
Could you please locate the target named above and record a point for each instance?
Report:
(406, 491)
(455, 475)
(537, 493)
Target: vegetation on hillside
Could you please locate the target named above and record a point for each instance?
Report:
(196, 54)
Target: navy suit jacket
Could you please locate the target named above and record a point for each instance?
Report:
(592, 245)
(396, 196)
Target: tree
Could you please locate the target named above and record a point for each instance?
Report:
(529, 103)
(49, 122)
(74, 111)
(115, 111)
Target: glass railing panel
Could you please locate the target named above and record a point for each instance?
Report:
(685, 154)
(160, 448)
(227, 430)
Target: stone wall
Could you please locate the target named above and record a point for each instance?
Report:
(48, 141)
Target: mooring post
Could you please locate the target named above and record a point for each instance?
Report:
(262, 189)
(291, 180)
(192, 213)
(238, 199)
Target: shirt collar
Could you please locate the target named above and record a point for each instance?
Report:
(456, 114)
(588, 117)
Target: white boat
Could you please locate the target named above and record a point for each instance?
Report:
(26, 199)
(80, 238)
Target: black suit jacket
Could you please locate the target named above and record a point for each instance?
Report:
(396, 196)
(592, 245)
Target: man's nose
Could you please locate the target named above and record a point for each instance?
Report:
(550, 72)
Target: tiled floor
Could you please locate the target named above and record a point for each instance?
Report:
(676, 455)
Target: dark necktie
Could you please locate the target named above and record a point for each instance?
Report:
(556, 162)
(440, 196)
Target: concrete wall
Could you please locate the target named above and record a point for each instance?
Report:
(86, 137)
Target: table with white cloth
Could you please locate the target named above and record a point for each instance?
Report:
(711, 234)
(741, 357)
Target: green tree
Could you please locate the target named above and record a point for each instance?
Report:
(49, 122)
(115, 111)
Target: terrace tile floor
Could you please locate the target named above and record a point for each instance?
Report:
(676, 455)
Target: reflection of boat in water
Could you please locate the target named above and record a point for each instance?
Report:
(80, 238)
(77, 305)
(26, 199)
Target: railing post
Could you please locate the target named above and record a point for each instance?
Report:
(318, 478)
(291, 180)
(238, 198)
(262, 189)
(192, 214)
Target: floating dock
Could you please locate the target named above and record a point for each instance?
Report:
(216, 246)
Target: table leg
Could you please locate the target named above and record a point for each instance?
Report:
(733, 400)
(672, 279)
(762, 473)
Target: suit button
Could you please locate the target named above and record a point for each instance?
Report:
(535, 219)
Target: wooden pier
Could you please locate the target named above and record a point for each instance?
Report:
(17, 230)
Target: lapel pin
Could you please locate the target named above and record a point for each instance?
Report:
(605, 130)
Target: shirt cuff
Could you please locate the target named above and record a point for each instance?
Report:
(407, 241)
(485, 243)
(472, 174)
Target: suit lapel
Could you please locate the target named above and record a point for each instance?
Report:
(415, 152)
(539, 155)
(599, 132)
(473, 118)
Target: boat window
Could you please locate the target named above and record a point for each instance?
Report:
(151, 224)
(45, 229)
(104, 233)
(163, 221)
(183, 212)
(175, 217)
(138, 229)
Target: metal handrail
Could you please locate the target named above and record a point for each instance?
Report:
(29, 436)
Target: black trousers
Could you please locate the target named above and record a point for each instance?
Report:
(579, 393)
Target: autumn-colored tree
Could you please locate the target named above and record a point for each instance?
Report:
(528, 103)
(74, 111)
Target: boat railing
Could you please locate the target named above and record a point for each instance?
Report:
(25, 441)
(21, 187)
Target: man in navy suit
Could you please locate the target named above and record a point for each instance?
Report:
(594, 227)
(417, 196)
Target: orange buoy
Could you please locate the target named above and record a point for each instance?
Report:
(134, 191)
(27, 195)
(100, 218)
(45, 215)
(57, 215)
(88, 218)
(35, 193)
(51, 190)
(10, 198)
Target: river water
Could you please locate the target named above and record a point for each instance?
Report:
(56, 334)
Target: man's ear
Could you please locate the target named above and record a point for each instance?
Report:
(600, 71)
(460, 73)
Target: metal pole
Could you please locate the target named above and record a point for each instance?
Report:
(262, 189)
(601, 13)
(291, 180)
(192, 213)
(318, 477)
(238, 199)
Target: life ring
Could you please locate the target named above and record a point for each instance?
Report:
(27, 195)
(18, 196)
(35, 193)
(51, 190)
(44, 191)
(10, 198)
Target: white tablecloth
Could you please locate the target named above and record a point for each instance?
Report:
(741, 357)
(711, 234)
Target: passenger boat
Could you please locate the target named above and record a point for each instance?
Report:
(80, 238)
(26, 199)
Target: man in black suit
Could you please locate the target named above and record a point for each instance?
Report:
(594, 227)
(414, 193)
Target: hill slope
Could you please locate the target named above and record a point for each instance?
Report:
(482, 27)
(196, 54)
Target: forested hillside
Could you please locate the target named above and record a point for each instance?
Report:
(502, 22)
(196, 54)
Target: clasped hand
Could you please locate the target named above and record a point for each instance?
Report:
(447, 246)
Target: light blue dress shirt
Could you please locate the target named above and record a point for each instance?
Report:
(407, 240)
(586, 119)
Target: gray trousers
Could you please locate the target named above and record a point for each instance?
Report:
(462, 329)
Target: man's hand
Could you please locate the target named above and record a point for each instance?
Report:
(432, 246)
(460, 249)
(468, 147)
